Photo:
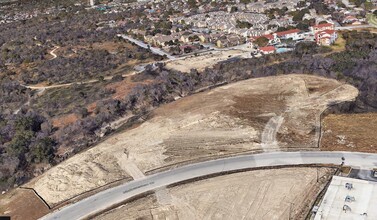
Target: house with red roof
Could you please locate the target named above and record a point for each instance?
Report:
(326, 37)
(289, 34)
(275, 38)
(324, 34)
(267, 49)
(272, 39)
(322, 27)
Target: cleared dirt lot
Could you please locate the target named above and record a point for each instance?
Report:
(202, 61)
(256, 115)
(260, 194)
(22, 204)
(350, 132)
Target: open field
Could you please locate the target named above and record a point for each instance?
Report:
(372, 20)
(260, 194)
(340, 44)
(22, 204)
(202, 61)
(350, 132)
(256, 115)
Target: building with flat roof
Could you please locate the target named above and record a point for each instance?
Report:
(348, 198)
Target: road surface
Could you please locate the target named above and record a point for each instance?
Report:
(353, 27)
(146, 46)
(116, 195)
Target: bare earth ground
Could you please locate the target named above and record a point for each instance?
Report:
(260, 194)
(203, 61)
(22, 204)
(264, 114)
(350, 132)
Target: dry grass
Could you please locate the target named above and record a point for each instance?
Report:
(350, 132)
(64, 120)
(340, 44)
(22, 204)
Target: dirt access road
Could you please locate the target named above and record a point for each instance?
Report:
(224, 121)
(205, 60)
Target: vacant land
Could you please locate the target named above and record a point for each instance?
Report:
(22, 204)
(203, 61)
(64, 100)
(256, 115)
(350, 132)
(339, 45)
(372, 19)
(260, 194)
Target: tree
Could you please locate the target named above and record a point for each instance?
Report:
(82, 112)
(28, 123)
(233, 9)
(298, 15)
(20, 143)
(261, 41)
(243, 24)
(301, 4)
(44, 150)
(192, 3)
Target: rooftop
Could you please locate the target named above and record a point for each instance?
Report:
(358, 201)
(283, 33)
(267, 48)
(323, 25)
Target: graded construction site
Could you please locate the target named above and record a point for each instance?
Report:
(256, 115)
(287, 193)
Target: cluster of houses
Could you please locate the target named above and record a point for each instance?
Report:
(262, 6)
(17, 16)
(219, 24)
(349, 14)
(185, 38)
(227, 22)
(323, 34)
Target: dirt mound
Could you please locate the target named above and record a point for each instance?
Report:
(264, 114)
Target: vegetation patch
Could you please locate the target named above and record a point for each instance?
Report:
(350, 132)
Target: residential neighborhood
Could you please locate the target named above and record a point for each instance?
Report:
(202, 26)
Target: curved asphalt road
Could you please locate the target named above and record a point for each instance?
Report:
(109, 197)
